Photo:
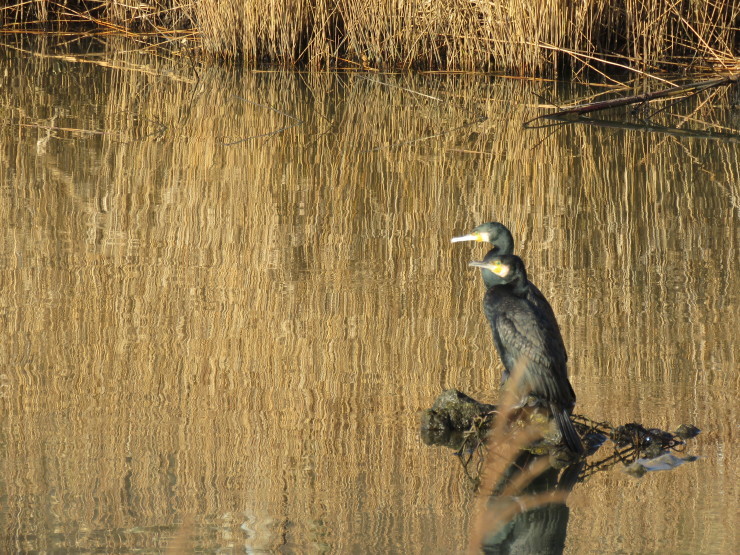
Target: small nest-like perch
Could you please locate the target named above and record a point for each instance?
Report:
(462, 423)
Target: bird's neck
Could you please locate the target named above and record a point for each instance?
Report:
(518, 286)
(505, 244)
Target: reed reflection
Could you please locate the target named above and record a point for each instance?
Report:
(243, 335)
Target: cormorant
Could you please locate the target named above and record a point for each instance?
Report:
(503, 243)
(528, 341)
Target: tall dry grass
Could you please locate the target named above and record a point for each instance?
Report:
(516, 36)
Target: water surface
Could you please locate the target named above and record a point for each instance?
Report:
(226, 298)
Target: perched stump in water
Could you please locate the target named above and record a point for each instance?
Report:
(451, 416)
(462, 423)
(454, 417)
(454, 411)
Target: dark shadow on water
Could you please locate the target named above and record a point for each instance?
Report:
(535, 520)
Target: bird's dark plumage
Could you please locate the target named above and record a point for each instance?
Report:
(528, 341)
(498, 235)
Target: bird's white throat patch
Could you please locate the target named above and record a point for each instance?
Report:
(501, 270)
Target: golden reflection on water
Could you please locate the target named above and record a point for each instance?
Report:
(211, 346)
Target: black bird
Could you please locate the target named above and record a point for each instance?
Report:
(528, 342)
(498, 235)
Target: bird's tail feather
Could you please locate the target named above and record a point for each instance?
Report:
(570, 436)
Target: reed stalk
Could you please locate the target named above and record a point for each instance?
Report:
(515, 36)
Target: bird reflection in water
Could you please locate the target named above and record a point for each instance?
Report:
(528, 513)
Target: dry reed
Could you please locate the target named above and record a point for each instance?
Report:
(506, 442)
(514, 36)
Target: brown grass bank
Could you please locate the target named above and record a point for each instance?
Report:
(514, 36)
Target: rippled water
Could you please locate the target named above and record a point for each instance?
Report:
(226, 299)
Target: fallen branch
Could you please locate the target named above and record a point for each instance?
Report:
(678, 91)
(652, 128)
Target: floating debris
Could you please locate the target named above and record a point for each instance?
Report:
(686, 431)
(463, 424)
(666, 461)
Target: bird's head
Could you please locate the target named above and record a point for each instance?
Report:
(491, 232)
(501, 269)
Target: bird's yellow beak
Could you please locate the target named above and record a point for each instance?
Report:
(501, 270)
(470, 237)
